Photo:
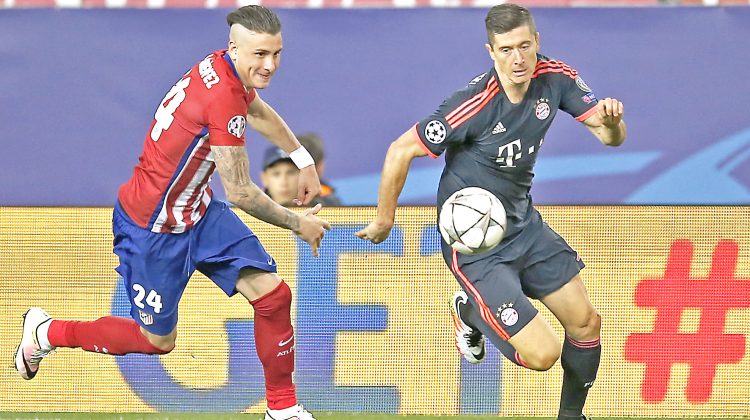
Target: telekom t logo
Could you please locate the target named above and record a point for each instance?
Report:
(704, 350)
(507, 153)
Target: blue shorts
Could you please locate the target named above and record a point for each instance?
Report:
(156, 267)
(500, 288)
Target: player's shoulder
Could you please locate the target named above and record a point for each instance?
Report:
(217, 75)
(553, 69)
(484, 82)
(480, 82)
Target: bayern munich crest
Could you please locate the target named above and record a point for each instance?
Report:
(236, 126)
(435, 132)
(508, 315)
(542, 109)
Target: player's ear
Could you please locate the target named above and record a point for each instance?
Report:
(537, 40)
(232, 50)
(490, 50)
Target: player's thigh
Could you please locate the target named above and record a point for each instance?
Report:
(537, 344)
(155, 268)
(573, 308)
(226, 250)
(494, 289)
(549, 264)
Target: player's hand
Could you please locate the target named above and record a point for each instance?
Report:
(308, 186)
(311, 228)
(376, 232)
(610, 111)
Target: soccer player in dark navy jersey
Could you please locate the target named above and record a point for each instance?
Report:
(166, 223)
(491, 132)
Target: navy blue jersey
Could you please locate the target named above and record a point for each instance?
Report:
(493, 143)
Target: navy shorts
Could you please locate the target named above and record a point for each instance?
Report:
(156, 267)
(499, 289)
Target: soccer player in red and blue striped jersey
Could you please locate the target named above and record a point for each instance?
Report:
(166, 223)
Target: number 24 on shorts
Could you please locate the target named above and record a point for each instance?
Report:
(153, 299)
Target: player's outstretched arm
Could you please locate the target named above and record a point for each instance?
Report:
(265, 120)
(607, 123)
(395, 169)
(234, 169)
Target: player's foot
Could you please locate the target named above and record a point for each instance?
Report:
(29, 352)
(469, 341)
(582, 417)
(295, 412)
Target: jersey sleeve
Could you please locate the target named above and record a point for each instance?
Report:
(577, 99)
(450, 124)
(227, 119)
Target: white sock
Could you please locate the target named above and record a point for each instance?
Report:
(41, 335)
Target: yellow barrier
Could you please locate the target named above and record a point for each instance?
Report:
(372, 322)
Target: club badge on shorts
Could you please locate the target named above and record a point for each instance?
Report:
(507, 314)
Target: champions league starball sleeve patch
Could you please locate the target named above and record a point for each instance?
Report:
(236, 126)
(435, 132)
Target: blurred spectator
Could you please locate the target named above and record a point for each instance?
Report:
(280, 176)
(314, 144)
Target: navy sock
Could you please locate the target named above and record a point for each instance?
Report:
(580, 362)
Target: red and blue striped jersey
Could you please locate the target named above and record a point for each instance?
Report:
(169, 191)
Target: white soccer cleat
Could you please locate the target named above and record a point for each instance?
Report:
(29, 352)
(295, 412)
(469, 341)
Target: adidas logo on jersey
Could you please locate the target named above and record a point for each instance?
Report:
(499, 128)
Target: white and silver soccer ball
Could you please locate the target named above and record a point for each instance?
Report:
(472, 220)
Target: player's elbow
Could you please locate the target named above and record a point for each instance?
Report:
(403, 150)
(613, 137)
(613, 142)
(237, 197)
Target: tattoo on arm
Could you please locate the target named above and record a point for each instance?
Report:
(234, 169)
(233, 165)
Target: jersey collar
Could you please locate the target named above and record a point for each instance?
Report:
(231, 65)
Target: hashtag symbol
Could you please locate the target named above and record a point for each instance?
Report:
(714, 295)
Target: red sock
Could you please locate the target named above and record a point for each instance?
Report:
(274, 340)
(110, 334)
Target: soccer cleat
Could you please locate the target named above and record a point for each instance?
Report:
(469, 341)
(295, 412)
(29, 352)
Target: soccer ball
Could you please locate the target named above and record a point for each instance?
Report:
(472, 221)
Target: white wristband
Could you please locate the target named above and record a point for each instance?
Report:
(301, 157)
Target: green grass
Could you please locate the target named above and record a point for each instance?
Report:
(201, 416)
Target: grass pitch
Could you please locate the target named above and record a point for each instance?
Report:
(217, 416)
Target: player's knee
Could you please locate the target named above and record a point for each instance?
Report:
(595, 323)
(279, 299)
(543, 358)
(162, 344)
(587, 327)
(165, 349)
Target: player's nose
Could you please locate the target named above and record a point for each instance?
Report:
(269, 64)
